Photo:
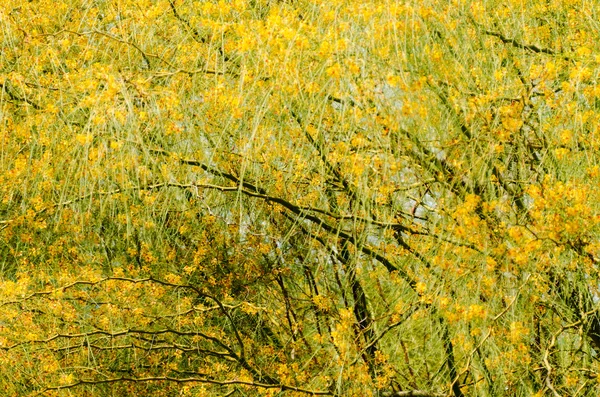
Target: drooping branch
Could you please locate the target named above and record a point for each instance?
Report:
(282, 387)
(520, 45)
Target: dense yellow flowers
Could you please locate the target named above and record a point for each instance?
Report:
(306, 197)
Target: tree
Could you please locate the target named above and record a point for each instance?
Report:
(299, 198)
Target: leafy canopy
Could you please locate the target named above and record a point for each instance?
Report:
(301, 197)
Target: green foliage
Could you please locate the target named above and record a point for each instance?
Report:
(260, 197)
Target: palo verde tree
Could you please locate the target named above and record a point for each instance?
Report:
(299, 197)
